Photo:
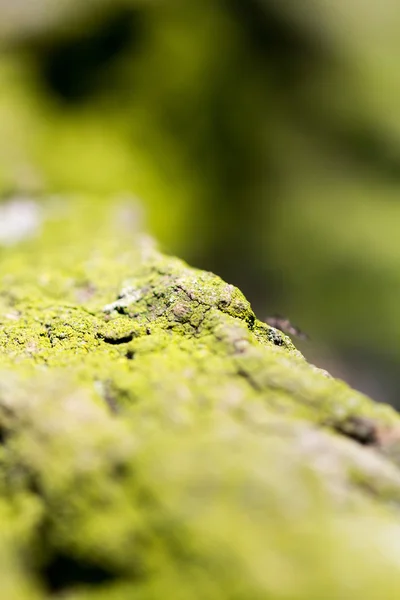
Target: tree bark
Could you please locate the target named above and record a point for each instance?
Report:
(157, 440)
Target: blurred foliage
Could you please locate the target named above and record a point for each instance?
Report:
(262, 137)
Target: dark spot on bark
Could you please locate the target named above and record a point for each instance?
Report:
(361, 429)
(121, 470)
(4, 434)
(115, 341)
(110, 397)
(246, 375)
(3, 437)
(275, 338)
(64, 572)
(251, 320)
(130, 355)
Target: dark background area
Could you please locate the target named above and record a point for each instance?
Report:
(261, 138)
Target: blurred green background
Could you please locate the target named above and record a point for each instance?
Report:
(261, 138)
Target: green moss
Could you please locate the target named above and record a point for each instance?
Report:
(158, 439)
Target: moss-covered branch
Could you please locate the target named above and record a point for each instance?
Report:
(158, 441)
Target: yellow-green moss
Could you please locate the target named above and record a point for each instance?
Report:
(157, 440)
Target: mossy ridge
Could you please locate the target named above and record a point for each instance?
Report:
(182, 317)
(155, 436)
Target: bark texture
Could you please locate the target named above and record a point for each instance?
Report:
(158, 441)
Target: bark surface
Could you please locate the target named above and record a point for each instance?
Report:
(158, 441)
